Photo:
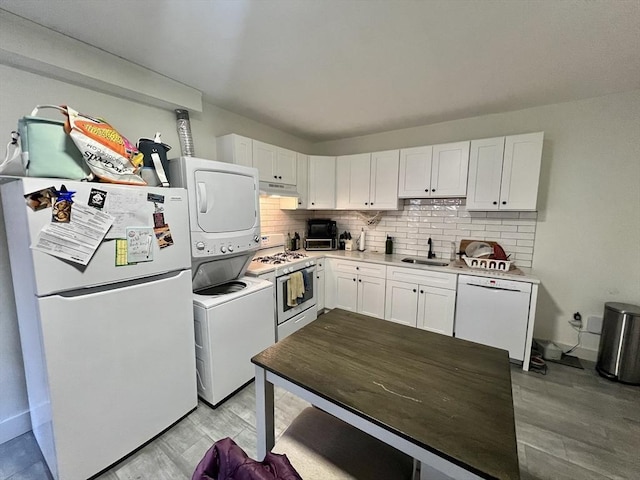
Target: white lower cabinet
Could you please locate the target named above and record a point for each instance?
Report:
(401, 302)
(320, 286)
(359, 287)
(436, 309)
(420, 298)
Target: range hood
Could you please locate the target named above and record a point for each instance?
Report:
(278, 189)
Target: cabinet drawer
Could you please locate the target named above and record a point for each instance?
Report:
(360, 268)
(423, 277)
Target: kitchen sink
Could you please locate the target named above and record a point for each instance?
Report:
(426, 261)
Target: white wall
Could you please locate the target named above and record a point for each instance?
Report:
(587, 244)
(20, 92)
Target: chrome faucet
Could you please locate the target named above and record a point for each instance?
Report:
(431, 253)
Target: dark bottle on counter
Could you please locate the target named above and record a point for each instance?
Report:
(388, 246)
(296, 241)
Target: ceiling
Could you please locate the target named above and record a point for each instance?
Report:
(329, 69)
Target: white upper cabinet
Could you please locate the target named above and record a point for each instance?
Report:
(434, 171)
(302, 186)
(236, 149)
(504, 172)
(353, 173)
(367, 181)
(415, 172)
(383, 189)
(449, 168)
(274, 164)
(322, 183)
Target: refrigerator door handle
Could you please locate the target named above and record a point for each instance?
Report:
(81, 292)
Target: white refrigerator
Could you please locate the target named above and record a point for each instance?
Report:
(108, 350)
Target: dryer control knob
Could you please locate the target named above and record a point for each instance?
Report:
(200, 245)
(230, 248)
(223, 249)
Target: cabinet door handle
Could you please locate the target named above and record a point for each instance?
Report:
(495, 203)
(366, 203)
(504, 203)
(371, 203)
(433, 189)
(414, 290)
(360, 281)
(313, 203)
(280, 178)
(421, 291)
(357, 268)
(275, 176)
(426, 189)
(354, 279)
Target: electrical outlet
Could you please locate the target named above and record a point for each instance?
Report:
(577, 320)
(594, 324)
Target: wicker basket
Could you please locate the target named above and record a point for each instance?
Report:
(487, 263)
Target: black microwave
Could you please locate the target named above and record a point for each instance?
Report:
(321, 228)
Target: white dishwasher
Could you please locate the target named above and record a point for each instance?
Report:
(493, 312)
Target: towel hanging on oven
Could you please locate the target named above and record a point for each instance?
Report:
(295, 288)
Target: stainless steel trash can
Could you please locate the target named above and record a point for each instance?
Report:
(619, 349)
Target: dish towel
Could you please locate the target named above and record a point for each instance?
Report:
(305, 279)
(295, 288)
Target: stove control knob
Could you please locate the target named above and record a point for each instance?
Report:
(223, 249)
(312, 262)
(306, 264)
(230, 248)
(200, 245)
(286, 270)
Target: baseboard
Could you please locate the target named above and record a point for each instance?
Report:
(15, 426)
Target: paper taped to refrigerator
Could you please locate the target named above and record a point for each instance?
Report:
(78, 239)
(128, 208)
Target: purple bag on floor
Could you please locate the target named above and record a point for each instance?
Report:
(227, 461)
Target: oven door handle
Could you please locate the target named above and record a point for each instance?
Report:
(285, 278)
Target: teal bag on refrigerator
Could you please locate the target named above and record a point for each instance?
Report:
(48, 151)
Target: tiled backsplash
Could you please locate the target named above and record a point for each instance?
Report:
(444, 220)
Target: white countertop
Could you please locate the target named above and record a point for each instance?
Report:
(455, 267)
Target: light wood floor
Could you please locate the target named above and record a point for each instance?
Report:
(571, 424)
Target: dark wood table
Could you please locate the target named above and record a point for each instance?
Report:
(444, 401)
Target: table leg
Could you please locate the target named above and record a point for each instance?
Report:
(264, 414)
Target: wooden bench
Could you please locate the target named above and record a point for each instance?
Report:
(322, 447)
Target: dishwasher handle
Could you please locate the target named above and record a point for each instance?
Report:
(493, 288)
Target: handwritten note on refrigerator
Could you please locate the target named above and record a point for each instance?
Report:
(128, 208)
(140, 242)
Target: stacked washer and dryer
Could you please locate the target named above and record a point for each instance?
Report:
(233, 314)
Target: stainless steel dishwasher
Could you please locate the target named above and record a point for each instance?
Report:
(493, 312)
